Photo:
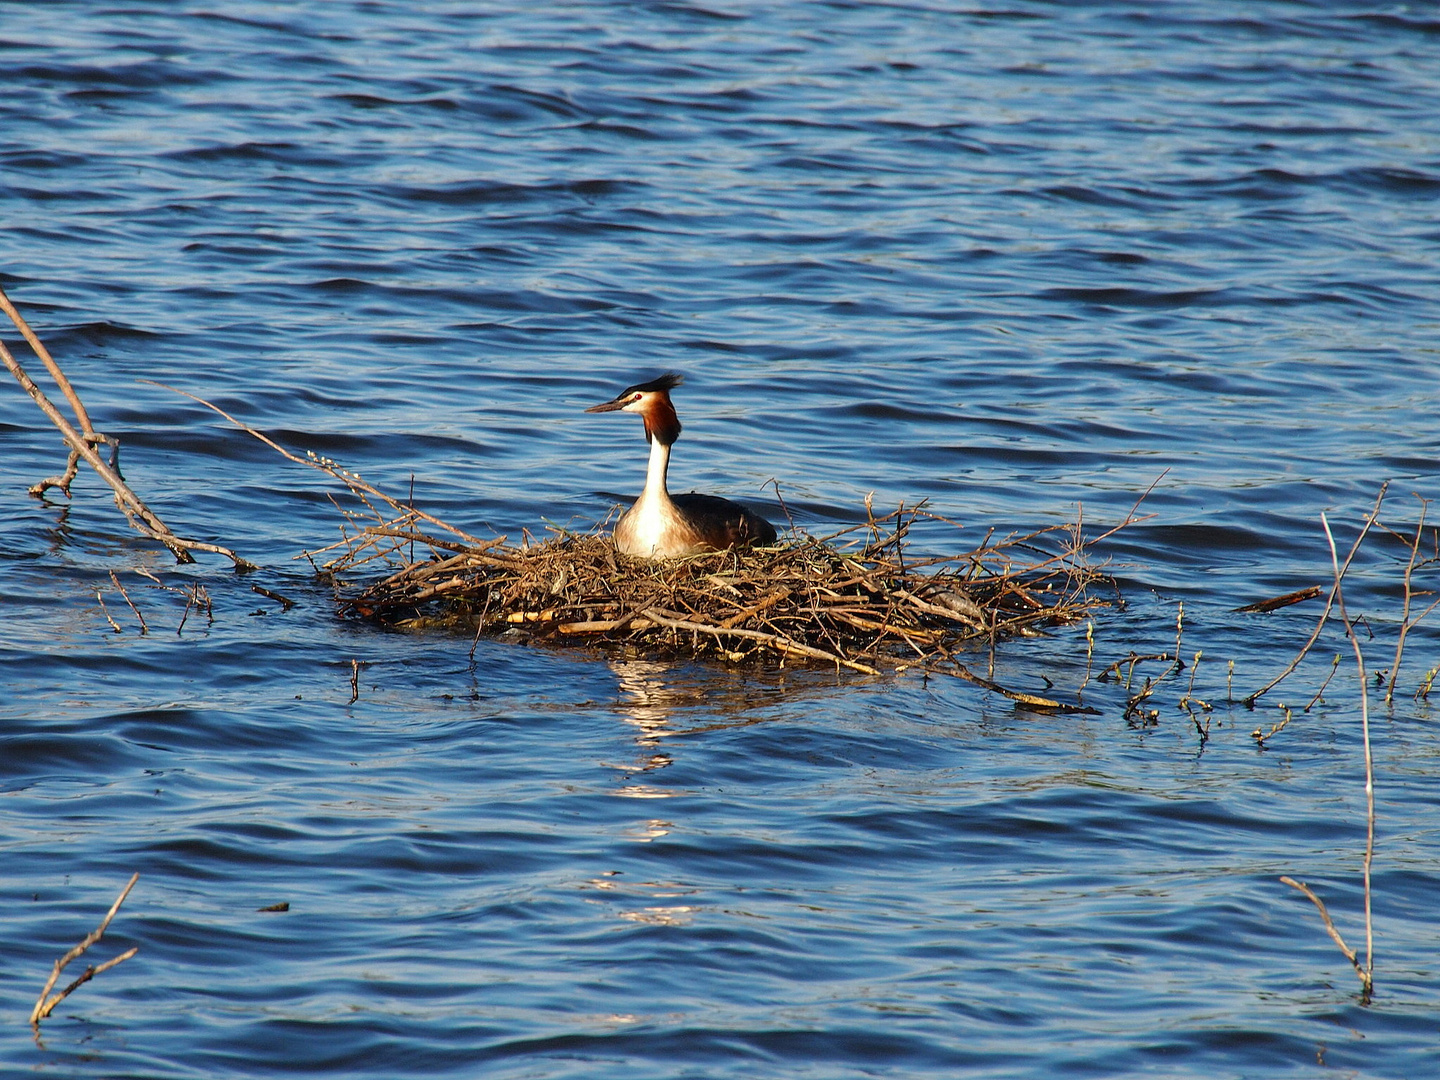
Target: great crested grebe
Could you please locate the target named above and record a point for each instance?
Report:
(664, 526)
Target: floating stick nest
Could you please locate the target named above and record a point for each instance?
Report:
(859, 599)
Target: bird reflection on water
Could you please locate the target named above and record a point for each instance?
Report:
(655, 695)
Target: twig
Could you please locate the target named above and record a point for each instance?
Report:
(1275, 728)
(45, 1005)
(143, 628)
(284, 601)
(1188, 699)
(81, 415)
(1405, 623)
(1334, 933)
(82, 444)
(106, 612)
(330, 468)
(1367, 977)
(1329, 602)
(1334, 667)
(1275, 603)
(781, 499)
(1032, 700)
(1134, 659)
(1422, 692)
(130, 504)
(777, 641)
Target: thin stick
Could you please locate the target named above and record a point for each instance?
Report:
(1329, 602)
(1130, 519)
(191, 599)
(81, 416)
(284, 601)
(44, 1007)
(325, 465)
(1179, 629)
(130, 504)
(143, 628)
(1330, 929)
(777, 641)
(1275, 603)
(1334, 667)
(1368, 976)
(82, 443)
(960, 671)
(106, 612)
(1405, 612)
(781, 499)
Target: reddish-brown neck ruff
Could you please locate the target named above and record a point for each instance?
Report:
(661, 422)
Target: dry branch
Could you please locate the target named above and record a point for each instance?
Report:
(1329, 602)
(1275, 603)
(45, 1004)
(144, 629)
(362, 490)
(1367, 977)
(1330, 929)
(1405, 621)
(82, 444)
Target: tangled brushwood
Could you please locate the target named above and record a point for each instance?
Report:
(858, 599)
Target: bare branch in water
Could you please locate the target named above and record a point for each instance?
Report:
(330, 468)
(82, 444)
(1329, 602)
(1330, 929)
(46, 1004)
(1367, 977)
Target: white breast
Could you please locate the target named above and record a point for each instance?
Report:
(652, 529)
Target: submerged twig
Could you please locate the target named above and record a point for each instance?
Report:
(1334, 667)
(284, 601)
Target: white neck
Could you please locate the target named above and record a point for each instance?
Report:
(655, 472)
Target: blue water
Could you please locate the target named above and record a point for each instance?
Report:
(1017, 260)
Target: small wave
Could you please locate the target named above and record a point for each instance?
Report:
(487, 192)
(1390, 21)
(1127, 297)
(99, 333)
(42, 160)
(290, 153)
(372, 101)
(147, 75)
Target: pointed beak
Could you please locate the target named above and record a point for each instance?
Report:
(611, 406)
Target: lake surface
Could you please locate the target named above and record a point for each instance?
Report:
(1018, 260)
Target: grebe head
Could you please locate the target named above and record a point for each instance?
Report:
(652, 401)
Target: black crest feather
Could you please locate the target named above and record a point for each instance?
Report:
(668, 381)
